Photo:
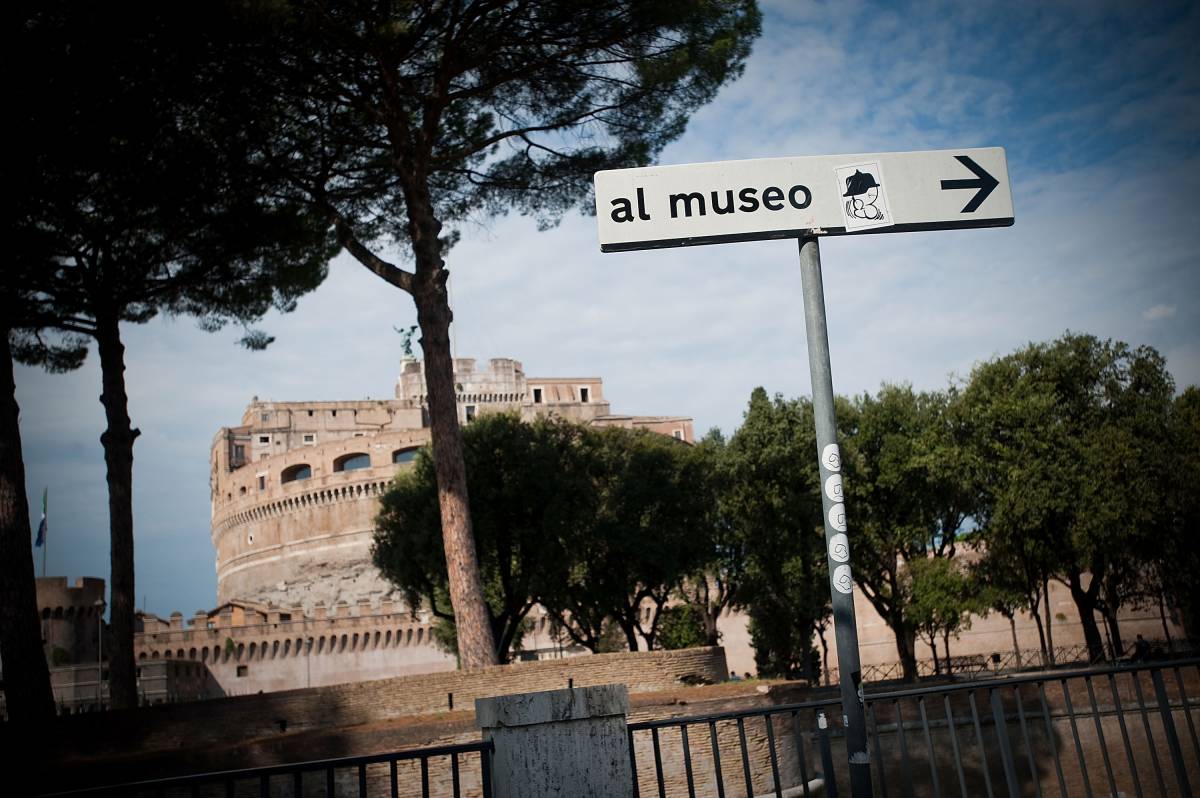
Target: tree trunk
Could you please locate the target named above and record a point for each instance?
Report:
(630, 629)
(476, 646)
(937, 664)
(1112, 623)
(1085, 603)
(946, 646)
(1162, 614)
(824, 655)
(118, 441)
(906, 640)
(1049, 628)
(1012, 626)
(28, 696)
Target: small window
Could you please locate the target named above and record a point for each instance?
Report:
(537, 396)
(266, 416)
(359, 434)
(352, 462)
(242, 490)
(333, 413)
(262, 481)
(295, 473)
(250, 539)
(310, 437)
(404, 455)
(243, 670)
(583, 395)
(310, 413)
(470, 410)
(239, 452)
(264, 438)
(678, 434)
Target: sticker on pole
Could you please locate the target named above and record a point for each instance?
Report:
(831, 458)
(833, 488)
(839, 548)
(864, 200)
(837, 517)
(842, 580)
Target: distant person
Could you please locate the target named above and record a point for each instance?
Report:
(748, 676)
(733, 677)
(1141, 650)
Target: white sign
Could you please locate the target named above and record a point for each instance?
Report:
(842, 579)
(710, 203)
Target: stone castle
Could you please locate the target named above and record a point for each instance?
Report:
(295, 489)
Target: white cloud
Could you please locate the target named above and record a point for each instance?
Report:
(1158, 312)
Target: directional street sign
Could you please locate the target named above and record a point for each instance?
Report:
(805, 198)
(710, 203)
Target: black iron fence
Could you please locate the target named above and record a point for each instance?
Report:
(1126, 730)
(457, 770)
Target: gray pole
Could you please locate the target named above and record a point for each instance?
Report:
(841, 583)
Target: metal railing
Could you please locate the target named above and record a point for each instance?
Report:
(1126, 730)
(457, 770)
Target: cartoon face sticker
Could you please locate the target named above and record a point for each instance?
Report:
(839, 548)
(862, 193)
(842, 580)
(831, 458)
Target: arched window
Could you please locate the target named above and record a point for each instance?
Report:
(295, 473)
(352, 462)
(402, 456)
(420, 634)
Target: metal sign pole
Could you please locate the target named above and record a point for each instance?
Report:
(841, 582)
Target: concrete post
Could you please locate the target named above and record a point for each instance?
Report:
(559, 743)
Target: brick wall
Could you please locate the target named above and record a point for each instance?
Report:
(228, 720)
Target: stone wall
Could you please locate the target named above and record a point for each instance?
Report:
(230, 720)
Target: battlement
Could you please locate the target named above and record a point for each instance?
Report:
(55, 597)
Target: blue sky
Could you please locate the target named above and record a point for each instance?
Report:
(1097, 103)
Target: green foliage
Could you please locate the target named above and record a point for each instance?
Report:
(942, 597)
(487, 109)
(529, 488)
(1174, 565)
(59, 656)
(139, 195)
(911, 484)
(1076, 431)
(683, 627)
(772, 503)
(588, 522)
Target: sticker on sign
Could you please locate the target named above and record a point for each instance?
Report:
(711, 203)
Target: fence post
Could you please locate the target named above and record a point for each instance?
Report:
(559, 742)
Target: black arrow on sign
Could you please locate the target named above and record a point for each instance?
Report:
(984, 182)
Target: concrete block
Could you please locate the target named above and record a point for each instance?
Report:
(559, 743)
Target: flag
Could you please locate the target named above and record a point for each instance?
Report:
(41, 538)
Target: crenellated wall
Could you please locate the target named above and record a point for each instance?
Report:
(70, 617)
(288, 650)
